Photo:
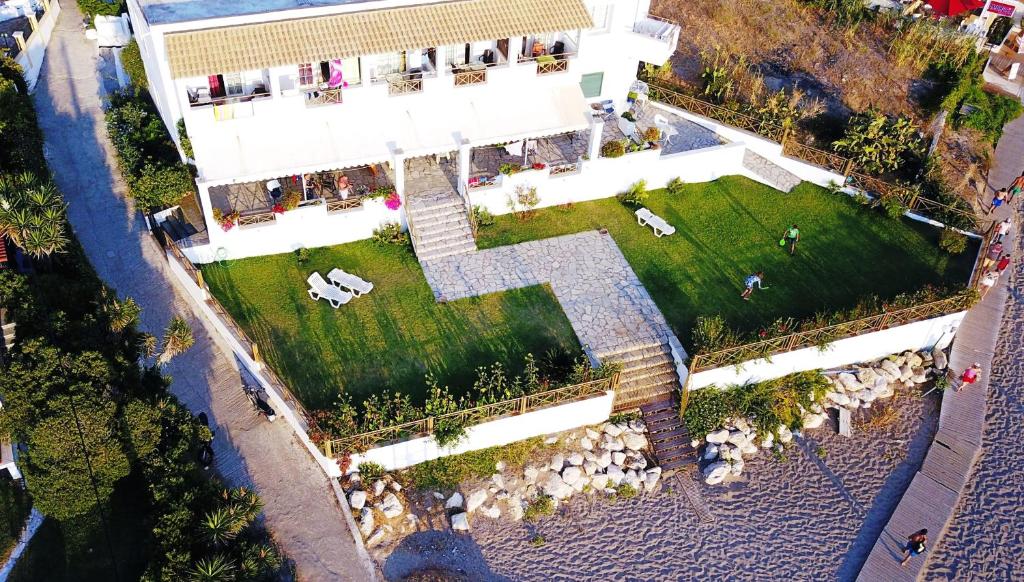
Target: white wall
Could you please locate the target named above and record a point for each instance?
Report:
(494, 433)
(913, 336)
(31, 59)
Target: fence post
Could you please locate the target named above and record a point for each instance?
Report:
(522, 405)
(256, 355)
(884, 323)
(430, 425)
(199, 280)
(848, 168)
(329, 449)
(785, 138)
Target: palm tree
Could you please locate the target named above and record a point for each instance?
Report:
(177, 339)
(123, 314)
(215, 569)
(222, 525)
(33, 214)
(258, 561)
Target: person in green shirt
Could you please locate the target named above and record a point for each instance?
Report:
(791, 237)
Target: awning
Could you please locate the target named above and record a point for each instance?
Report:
(344, 136)
(954, 7)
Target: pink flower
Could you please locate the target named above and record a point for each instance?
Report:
(393, 202)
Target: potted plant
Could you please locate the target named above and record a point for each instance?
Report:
(392, 201)
(509, 169)
(627, 124)
(291, 200)
(538, 166)
(652, 135)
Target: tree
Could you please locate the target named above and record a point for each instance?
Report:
(177, 339)
(33, 214)
(131, 60)
(878, 144)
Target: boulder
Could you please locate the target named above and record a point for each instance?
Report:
(581, 483)
(618, 458)
(572, 474)
(551, 440)
(638, 462)
(725, 452)
(377, 537)
(460, 522)
(438, 496)
(590, 467)
(890, 369)
(455, 501)
(586, 444)
(749, 448)
(357, 499)
(556, 487)
(599, 481)
(919, 377)
(396, 486)
(499, 466)
(557, 462)
(736, 468)
(742, 425)
(715, 473)
(768, 441)
(604, 459)
(634, 441)
(378, 488)
(914, 360)
(515, 508)
(939, 360)
(694, 443)
(849, 381)
(718, 437)
(736, 437)
(866, 376)
(576, 459)
(785, 435)
(530, 474)
(593, 434)
(638, 426)
(391, 507)
(906, 372)
(812, 421)
(615, 475)
(498, 480)
(617, 445)
(651, 478)
(710, 452)
(612, 430)
(886, 391)
(633, 479)
(475, 500)
(840, 399)
(492, 512)
(366, 522)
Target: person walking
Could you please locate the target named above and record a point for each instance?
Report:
(994, 252)
(755, 279)
(997, 200)
(1015, 187)
(1002, 229)
(915, 545)
(791, 237)
(986, 284)
(970, 376)
(1003, 264)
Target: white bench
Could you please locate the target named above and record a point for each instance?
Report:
(320, 289)
(645, 217)
(349, 281)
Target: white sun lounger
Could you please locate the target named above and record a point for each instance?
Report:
(645, 217)
(349, 281)
(320, 289)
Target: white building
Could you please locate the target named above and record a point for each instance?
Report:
(333, 100)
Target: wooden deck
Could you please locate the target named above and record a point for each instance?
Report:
(931, 499)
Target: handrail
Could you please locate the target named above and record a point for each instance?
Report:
(476, 415)
(414, 237)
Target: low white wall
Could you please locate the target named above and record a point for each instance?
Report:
(253, 368)
(31, 59)
(913, 336)
(606, 177)
(494, 433)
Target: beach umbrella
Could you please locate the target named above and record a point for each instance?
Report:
(954, 7)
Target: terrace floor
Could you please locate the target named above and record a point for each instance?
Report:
(730, 228)
(556, 150)
(251, 197)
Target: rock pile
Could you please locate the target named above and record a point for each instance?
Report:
(378, 508)
(737, 440)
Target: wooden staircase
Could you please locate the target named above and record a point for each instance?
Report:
(669, 439)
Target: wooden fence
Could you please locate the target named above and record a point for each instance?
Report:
(480, 414)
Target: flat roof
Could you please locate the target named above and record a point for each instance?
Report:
(173, 11)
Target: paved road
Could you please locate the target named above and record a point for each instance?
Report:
(301, 510)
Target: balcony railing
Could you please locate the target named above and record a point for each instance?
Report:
(548, 67)
(256, 218)
(402, 84)
(340, 205)
(656, 28)
(470, 77)
(317, 97)
(199, 101)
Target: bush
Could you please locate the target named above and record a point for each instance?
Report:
(952, 241)
(628, 116)
(509, 169)
(302, 255)
(157, 187)
(131, 60)
(636, 195)
(482, 216)
(878, 144)
(675, 186)
(447, 472)
(370, 472)
(186, 143)
(541, 506)
(613, 149)
(390, 233)
(893, 207)
(523, 200)
(91, 8)
(652, 134)
(710, 333)
(626, 491)
(705, 412)
(447, 431)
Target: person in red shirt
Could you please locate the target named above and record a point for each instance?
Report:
(970, 376)
(1003, 264)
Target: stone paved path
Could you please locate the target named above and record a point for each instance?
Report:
(608, 307)
(770, 173)
(301, 509)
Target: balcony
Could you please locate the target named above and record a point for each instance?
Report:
(657, 29)
(546, 67)
(404, 83)
(470, 75)
(318, 97)
(551, 52)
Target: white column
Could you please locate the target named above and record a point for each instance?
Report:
(596, 128)
(515, 47)
(465, 159)
(213, 228)
(398, 167)
(19, 39)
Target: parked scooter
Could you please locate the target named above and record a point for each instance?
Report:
(206, 449)
(259, 403)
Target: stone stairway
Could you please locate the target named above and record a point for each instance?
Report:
(669, 440)
(768, 172)
(440, 224)
(648, 374)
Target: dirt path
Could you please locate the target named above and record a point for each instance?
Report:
(301, 510)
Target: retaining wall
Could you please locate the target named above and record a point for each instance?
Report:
(31, 59)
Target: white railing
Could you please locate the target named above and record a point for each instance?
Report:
(656, 28)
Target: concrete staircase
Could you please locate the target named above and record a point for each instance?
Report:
(648, 374)
(440, 225)
(769, 173)
(669, 440)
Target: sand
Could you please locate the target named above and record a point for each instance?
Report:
(805, 518)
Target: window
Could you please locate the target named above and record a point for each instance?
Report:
(305, 74)
(233, 83)
(591, 84)
(601, 13)
(456, 54)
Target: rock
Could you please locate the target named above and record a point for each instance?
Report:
(556, 487)
(515, 508)
(768, 441)
(492, 512)
(638, 462)
(914, 360)
(840, 399)
(854, 404)
(939, 360)
(599, 481)
(551, 440)
(736, 468)
(635, 481)
(615, 475)
(638, 426)
(866, 395)
(593, 434)
(589, 467)
(378, 488)
(866, 376)
(919, 378)
(617, 445)
(604, 459)
(475, 500)
(499, 466)
(391, 507)
(438, 496)
(498, 480)
(749, 448)
(849, 381)
(396, 486)
(812, 421)
(725, 452)
(634, 441)
(586, 444)
(580, 483)
(530, 474)
(377, 537)
(718, 437)
(651, 478)
(612, 430)
(715, 472)
(460, 522)
(576, 459)
(785, 435)
(366, 522)
(742, 425)
(454, 501)
(618, 458)
(557, 462)
(572, 474)
(694, 443)
(906, 372)
(710, 452)
(886, 391)
(357, 499)
(736, 437)
(891, 369)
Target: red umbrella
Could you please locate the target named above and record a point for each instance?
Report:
(954, 7)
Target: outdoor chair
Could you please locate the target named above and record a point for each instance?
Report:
(645, 217)
(356, 285)
(320, 289)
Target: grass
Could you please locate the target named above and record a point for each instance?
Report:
(447, 472)
(731, 227)
(388, 339)
(15, 505)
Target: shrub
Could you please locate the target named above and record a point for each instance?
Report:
(861, 198)
(628, 116)
(91, 8)
(158, 186)
(541, 506)
(652, 134)
(509, 169)
(447, 472)
(302, 255)
(482, 216)
(893, 207)
(636, 195)
(878, 144)
(186, 143)
(952, 241)
(370, 471)
(706, 410)
(537, 541)
(626, 491)
(447, 431)
(131, 60)
(390, 233)
(523, 200)
(710, 333)
(675, 186)
(613, 149)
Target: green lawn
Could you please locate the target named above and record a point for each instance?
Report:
(15, 506)
(730, 228)
(387, 339)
